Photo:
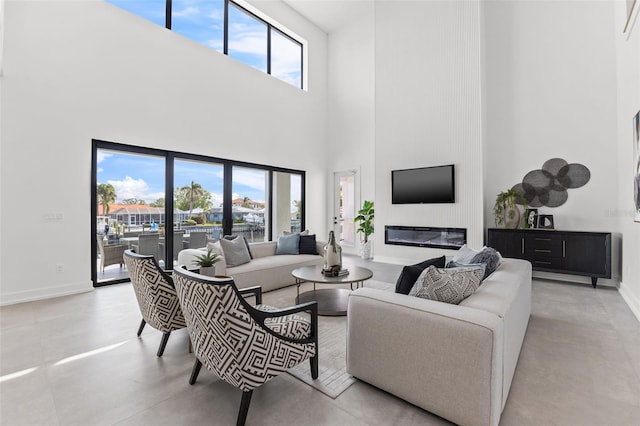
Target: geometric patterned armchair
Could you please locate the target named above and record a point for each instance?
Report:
(245, 346)
(156, 296)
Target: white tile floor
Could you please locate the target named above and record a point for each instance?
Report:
(76, 360)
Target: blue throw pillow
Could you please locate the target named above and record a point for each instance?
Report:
(288, 244)
(490, 258)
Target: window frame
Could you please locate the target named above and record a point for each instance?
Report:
(170, 157)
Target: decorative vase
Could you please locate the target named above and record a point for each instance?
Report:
(366, 251)
(511, 217)
(332, 255)
(209, 271)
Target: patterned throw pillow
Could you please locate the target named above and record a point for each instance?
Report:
(447, 285)
(454, 264)
(490, 258)
(235, 251)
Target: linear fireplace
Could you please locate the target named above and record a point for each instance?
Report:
(420, 236)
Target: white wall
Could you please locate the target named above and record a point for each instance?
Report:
(628, 90)
(550, 92)
(351, 131)
(74, 71)
(428, 113)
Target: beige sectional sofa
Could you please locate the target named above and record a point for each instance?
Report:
(266, 269)
(456, 361)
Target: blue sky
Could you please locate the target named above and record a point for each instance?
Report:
(203, 21)
(142, 177)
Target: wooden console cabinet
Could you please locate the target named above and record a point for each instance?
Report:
(564, 252)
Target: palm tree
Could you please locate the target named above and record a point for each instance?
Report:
(106, 195)
(193, 193)
(246, 202)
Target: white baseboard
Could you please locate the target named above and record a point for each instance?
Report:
(630, 299)
(45, 293)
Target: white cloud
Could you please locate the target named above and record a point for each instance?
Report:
(134, 188)
(186, 12)
(251, 178)
(102, 156)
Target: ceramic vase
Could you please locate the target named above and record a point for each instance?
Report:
(209, 271)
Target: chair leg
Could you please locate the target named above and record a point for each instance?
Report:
(142, 324)
(244, 407)
(314, 367)
(195, 371)
(163, 343)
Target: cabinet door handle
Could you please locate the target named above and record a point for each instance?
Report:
(522, 245)
(542, 251)
(564, 248)
(541, 262)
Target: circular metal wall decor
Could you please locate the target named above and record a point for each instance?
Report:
(548, 186)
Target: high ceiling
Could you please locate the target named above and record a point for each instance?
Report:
(330, 15)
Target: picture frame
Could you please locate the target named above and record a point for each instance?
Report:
(530, 218)
(636, 167)
(632, 9)
(545, 221)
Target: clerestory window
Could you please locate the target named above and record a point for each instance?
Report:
(229, 28)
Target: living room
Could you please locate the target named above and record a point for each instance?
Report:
(497, 88)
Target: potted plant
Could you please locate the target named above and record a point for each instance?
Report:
(206, 262)
(506, 211)
(365, 219)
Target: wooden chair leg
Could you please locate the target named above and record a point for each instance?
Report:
(163, 343)
(142, 324)
(244, 407)
(314, 366)
(195, 371)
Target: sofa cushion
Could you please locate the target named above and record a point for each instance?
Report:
(490, 258)
(454, 264)
(410, 273)
(288, 244)
(451, 285)
(235, 251)
(307, 244)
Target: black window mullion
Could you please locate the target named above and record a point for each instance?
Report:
(168, 211)
(227, 199)
(225, 36)
(269, 28)
(270, 209)
(167, 18)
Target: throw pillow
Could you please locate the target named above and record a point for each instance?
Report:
(235, 251)
(305, 232)
(288, 244)
(233, 237)
(447, 285)
(215, 247)
(307, 244)
(454, 264)
(410, 273)
(490, 258)
(465, 254)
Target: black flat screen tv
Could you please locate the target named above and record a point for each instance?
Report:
(424, 185)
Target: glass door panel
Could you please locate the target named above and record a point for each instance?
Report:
(130, 204)
(198, 195)
(249, 207)
(287, 203)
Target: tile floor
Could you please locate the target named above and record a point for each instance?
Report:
(76, 360)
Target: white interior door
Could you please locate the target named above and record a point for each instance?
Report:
(344, 207)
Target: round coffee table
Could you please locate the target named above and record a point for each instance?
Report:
(331, 301)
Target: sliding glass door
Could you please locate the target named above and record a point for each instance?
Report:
(159, 202)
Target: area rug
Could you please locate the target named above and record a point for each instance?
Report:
(333, 378)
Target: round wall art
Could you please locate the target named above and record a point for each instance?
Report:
(548, 186)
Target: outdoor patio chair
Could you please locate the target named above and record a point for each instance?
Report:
(156, 296)
(148, 244)
(245, 346)
(197, 239)
(110, 254)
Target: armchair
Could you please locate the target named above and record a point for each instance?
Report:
(156, 296)
(227, 333)
(110, 254)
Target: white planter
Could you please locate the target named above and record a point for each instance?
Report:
(366, 251)
(209, 271)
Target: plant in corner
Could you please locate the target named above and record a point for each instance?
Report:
(365, 219)
(206, 262)
(506, 211)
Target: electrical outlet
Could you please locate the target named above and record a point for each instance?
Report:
(59, 268)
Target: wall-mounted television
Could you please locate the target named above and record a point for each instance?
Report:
(423, 185)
